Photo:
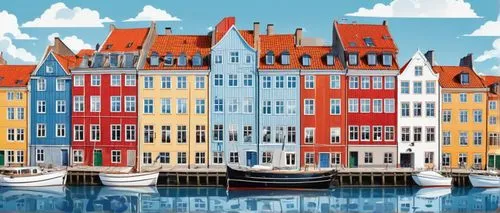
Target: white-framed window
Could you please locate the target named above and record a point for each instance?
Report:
(20, 113)
(199, 158)
(446, 138)
(166, 107)
(309, 108)
(116, 80)
(418, 70)
(377, 105)
(218, 59)
(116, 103)
(148, 107)
(95, 103)
(279, 107)
(78, 133)
(389, 133)
(95, 133)
(365, 133)
(130, 133)
(309, 135)
(20, 134)
(41, 84)
(353, 59)
(353, 105)
(417, 134)
(353, 133)
(430, 134)
(78, 156)
(353, 82)
(234, 57)
(463, 138)
(417, 109)
(368, 157)
(334, 81)
(148, 82)
(200, 82)
(41, 130)
(309, 81)
(446, 116)
(95, 80)
(267, 157)
(463, 97)
(389, 105)
(335, 107)
(309, 158)
(116, 156)
(11, 134)
(335, 158)
(60, 85)
(218, 105)
(41, 106)
(49, 67)
(218, 157)
(166, 82)
(446, 159)
(233, 133)
(388, 157)
(266, 82)
(60, 130)
(247, 134)
(233, 157)
(446, 97)
(365, 105)
(291, 107)
(478, 98)
(200, 106)
(405, 87)
(40, 155)
(200, 133)
(492, 105)
(478, 138)
(405, 109)
(60, 106)
(130, 103)
(10, 113)
(389, 82)
(417, 87)
(181, 134)
(78, 104)
(478, 116)
(377, 82)
(218, 80)
(147, 158)
(116, 132)
(130, 80)
(248, 105)
(292, 81)
(290, 159)
(377, 133)
(429, 157)
(181, 82)
(280, 82)
(164, 157)
(10, 96)
(430, 87)
(365, 82)
(149, 133)
(334, 135)
(233, 105)
(430, 109)
(232, 80)
(463, 116)
(247, 80)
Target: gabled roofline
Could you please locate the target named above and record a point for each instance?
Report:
(43, 61)
(238, 32)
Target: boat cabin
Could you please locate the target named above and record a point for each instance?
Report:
(19, 171)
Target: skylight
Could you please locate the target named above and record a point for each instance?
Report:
(369, 42)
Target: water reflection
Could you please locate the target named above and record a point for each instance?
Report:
(152, 199)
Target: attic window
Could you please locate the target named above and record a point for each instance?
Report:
(387, 59)
(181, 61)
(169, 59)
(109, 46)
(197, 60)
(97, 60)
(130, 44)
(330, 59)
(270, 57)
(113, 60)
(464, 78)
(369, 42)
(306, 60)
(372, 59)
(285, 58)
(352, 44)
(353, 59)
(154, 59)
(129, 60)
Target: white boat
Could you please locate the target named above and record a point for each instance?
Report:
(130, 179)
(31, 177)
(491, 180)
(431, 179)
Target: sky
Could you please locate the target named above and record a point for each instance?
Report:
(452, 28)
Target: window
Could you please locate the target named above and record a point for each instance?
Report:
(11, 135)
(330, 59)
(164, 157)
(166, 82)
(334, 106)
(292, 82)
(266, 134)
(464, 78)
(233, 157)
(388, 157)
(446, 138)
(405, 109)
(389, 105)
(309, 158)
(478, 116)
(95, 133)
(389, 82)
(116, 103)
(77, 156)
(115, 80)
(463, 139)
(446, 116)
(165, 134)
(10, 96)
(353, 105)
(430, 87)
(334, 135)
(233, 133)
(280, 81)
(430, 109)
(41, 108)
(377, 133)
(20, 113)
(353, 59)
(368, 157)
(182, 60)
(365, 82)
(147, 158)
(166, 107)
(60, 85)
(463, 116)
(377, 82)
(478, 138)
(218, 59)
(266, 82)
(446, 159)
(285, 58)
(247, 134)
(196, 60)
(353, 82)
(130, 80)
(78, 104)
(429, 157)
(418, 70)
(417, 87)
(200, 134)
(478, 159)
(290, 107)
(291, 134)
(405, 87)
(353, 133)
(405, 134)
(280, 107)
(365, 133)
(372, 59)
(49, 67)
(247, 80)
(234, 57)
(306, 60)
(417, 109)
(309, 135)
(96, 80)
(494, 139)
(248, 59)
(60, 130)
(233, 80)
(217, 157)
(462, 158)
(463, 97)
(149, 134)
(116, 156)
(148, 106)
(41, 84)
(309, 107)
(492, 105)
(199, 158)
(446, 97)
(10, 113)
(218, 132)
(181, 134)
(267, 157)
(417, 134)
(389, 133)
(233, 105)
(78, 132)
(430, 134)
(115, 132)
(20, 134)
(280, 134)
(60, 106)
(200, 106)
(290, 159)
(309, 81)
(181, 82)
(365, 105)
(492, 120)
(95, 103)
(334, 81)
(218, 105)
(129, 103)
(247, 105)
(40, 155)
(387, 59)
(130, 133)
(218, 80)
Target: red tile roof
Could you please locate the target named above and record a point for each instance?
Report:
(125, 40)
(449, 77)
(489, 80)
(177, 44)
(286, 42)
(68, 62)
(225, 24)
(15, 75)
(85, 52)
(352, 38)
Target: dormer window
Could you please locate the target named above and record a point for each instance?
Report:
(182, 60)
(464, 78)
(129, 44)
(369, 42)
(372, 59)
(49, 68)
(353, 59)
(197, 60)
(306, 60)
(270, 58)
(330, 60)
(113, 60)
(154, 59)
(169, 59)
(109, 46)
(285, 58)
(97, 60)
(387, 59)
(129, 60)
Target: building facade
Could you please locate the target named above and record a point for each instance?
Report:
(14, 114)
(369, 53)
(493, 128)
(104, 97)
(418, 114)
(173, 96)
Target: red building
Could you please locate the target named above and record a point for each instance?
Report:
(104, 90)
(369, 53)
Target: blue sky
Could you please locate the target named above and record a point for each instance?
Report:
(442, 25)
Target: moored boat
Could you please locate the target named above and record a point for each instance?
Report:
(31, 177)
(431, 179)
(248, 178)
(490, 180)
(129, 179)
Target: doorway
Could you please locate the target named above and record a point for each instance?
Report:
(98, 157)
(2, 158)
(65, 157)
(324, 160)
(251, 158)
(131, 158)
(353, 159)
(407, 160)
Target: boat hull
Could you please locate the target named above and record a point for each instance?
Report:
(430, 181)
(484, 181)
(56, 178)
(132, 179)
(247, 179)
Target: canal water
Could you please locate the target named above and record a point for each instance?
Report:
(153, 199)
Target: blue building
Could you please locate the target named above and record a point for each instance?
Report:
(50, 100)
(233, 95)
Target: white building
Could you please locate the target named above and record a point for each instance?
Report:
(419, 114)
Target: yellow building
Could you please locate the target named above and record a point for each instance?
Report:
(173, 102)
(463, 117)
(14, 109)
(493, 129)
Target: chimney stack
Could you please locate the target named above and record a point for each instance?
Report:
(168, 31)
(384, 22)
(270, 29)
(429, 55)
(298, 37)
(97, 46)
(256, 35)
(2, 60)
(467, 61)
(112, 27)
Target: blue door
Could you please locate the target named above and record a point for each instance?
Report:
(251, 158)
(324, 159)
(65, 157)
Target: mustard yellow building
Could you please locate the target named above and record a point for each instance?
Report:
(173, 102)
(463, 116)
(493, 128)
(14, 114)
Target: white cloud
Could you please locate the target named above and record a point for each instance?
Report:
(210, 28)
(490, 54)
(20, 54)
(73, 42)
(59, 15)
(150, 13)
(419, 9)
(495, 69)
(490, 28)
(10, 30)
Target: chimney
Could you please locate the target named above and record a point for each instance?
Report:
(256, 35)
(384, 22)
(97, 46)
(270, 29)
(112, 27)
(298, 37)
(2, 60)
(429, 55)
(168, 31)
(467, 61)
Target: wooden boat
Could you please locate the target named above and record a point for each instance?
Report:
(31, 177)
(431, 179)
(129, 179)
(490, 180)
(248, 178)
